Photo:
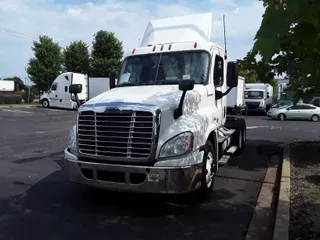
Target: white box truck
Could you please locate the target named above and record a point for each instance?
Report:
(6, 85)
(59, 97)
(235, 98)
(258, 97)
(163, 128)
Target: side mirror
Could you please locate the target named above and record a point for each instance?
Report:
(232, 75)
(75, 88)
(112, 80)
(186, 85)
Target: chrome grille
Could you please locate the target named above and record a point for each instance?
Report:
(125, 134)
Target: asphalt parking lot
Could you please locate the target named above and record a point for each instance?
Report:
(36, 201)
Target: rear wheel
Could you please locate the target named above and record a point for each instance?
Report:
(315, 118)
(237, 137)
(281, 117)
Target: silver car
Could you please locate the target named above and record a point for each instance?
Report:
(299, 111)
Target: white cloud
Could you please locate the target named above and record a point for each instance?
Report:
(21, 21)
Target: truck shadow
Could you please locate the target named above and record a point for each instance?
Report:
(55, 209)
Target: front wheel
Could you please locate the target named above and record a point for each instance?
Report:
(281, 117)
(45, 103)
(209, 168)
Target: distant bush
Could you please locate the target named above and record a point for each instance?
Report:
(10, 98)
(25, 95)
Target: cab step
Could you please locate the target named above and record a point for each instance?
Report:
(232, 150)
(224, 160)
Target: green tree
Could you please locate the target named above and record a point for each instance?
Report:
(288, 39)
(76, 57)
(19, 84)
(106, 54)
(46, 64)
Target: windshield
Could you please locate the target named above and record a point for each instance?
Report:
(253, 94)
(165, 68)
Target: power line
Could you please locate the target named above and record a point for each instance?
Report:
(21, 35)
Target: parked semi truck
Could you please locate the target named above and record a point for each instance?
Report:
(258, 97)
(163, 128)
(235, 98)
(58, 95)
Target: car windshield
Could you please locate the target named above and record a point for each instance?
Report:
(165, 68)
(253, 94)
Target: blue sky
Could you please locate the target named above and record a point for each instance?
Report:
(21, 22)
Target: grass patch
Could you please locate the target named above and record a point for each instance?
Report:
(305, 191)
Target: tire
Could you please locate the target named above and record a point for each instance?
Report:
(207, 178)
(244, 132)
(281, 117)
(315, 118)
(45, 103)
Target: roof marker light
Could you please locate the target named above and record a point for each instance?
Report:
(161, 48)
(133, 50)
(154, 48)
(195, 45)
(170, 46)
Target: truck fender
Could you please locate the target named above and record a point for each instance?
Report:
(212, 136)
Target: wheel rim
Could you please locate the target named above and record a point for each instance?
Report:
(244, 135)
(315, 118)
(240, 139)
(45, 103)
(281, 117)
(209, 167)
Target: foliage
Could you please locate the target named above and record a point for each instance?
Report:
(256, 71)
(289, 40)
(28, 97)
(18, 83)
(10, 98)
(106, 54)
(76, 57)
(46, 65)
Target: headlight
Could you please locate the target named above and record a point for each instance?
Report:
(178, 145)
(72, 140)
(261, 104)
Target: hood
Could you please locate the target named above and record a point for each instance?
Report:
(164, 96)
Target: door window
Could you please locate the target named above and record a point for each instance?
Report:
(218, 71)
(54, 87)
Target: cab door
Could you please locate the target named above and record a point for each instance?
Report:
(218, 82)
(53, 95)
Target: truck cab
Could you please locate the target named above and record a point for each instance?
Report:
(58, 95)
(258, 97)
(163, 128)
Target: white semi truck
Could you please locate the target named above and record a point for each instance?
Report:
(58, 95)
(163, 128)
(258, 97)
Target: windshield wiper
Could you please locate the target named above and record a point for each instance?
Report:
(126, 84)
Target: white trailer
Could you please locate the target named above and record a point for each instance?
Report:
(163, 128)
(6, 86)
(235, 98)
(258, 97)
(59, 97)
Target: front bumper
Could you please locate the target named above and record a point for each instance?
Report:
(144, 179)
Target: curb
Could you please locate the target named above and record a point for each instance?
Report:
(281, 228)
(261, 224)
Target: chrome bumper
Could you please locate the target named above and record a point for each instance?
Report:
(144, 179)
